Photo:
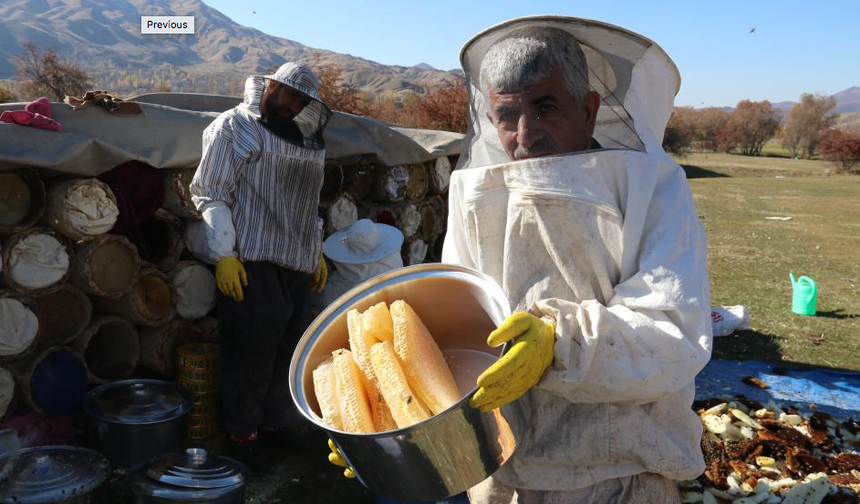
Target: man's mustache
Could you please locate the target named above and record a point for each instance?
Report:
(541, 147)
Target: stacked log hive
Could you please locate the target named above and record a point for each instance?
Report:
(412, 198)
(74, 298)
(22, 199)
(109, 314)
(110, 347)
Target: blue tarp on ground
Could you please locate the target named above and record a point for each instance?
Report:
(834, 392)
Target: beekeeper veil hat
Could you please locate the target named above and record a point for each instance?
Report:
(635, 79)
(313, 118)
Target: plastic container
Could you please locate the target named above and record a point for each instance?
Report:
(804, 295)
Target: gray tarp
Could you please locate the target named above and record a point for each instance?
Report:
(168, 135)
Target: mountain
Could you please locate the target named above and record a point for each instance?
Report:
(103, 37)
(848, 100)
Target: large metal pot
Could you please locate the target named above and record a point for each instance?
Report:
(187, 478)
(455, 449)
(131, 421)
(62, 474)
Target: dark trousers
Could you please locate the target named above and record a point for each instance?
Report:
(256, 338)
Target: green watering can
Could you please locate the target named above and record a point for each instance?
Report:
(804, 295)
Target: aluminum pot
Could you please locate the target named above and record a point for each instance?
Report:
(131, 421)
(187, 478)
(61, 474)
(453, 450)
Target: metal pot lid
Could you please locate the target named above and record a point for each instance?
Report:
(50, 473)
(196, 469)
(137, 401)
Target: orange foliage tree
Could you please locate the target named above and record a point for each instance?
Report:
(445, 108)
(753, 123)
(336, 94)
(841, 148)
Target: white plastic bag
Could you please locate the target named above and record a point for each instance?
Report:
(728, 319)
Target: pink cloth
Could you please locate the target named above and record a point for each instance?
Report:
(37, 114)
(34, 429)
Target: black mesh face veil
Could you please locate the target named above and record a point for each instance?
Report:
(612, 55)
(311, 121)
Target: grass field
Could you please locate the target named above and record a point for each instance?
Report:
(751, 256)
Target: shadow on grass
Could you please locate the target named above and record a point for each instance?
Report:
(693, 172)
(748, 345)
(837, 314)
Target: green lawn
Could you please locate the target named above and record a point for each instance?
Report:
(751, 256)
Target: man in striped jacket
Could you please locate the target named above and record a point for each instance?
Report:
(257, 187)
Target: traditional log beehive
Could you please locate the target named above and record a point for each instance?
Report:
(412, 198)
(110, 347)
(107, 266)
(22, 199)
(80, 209)
(36, 261)
(63, 315)
(115, 316)
(149, 303)
(158, 345)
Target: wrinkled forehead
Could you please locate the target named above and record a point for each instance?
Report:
(549, 89)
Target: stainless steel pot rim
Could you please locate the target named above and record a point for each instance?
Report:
(345, 302)
(89, 403)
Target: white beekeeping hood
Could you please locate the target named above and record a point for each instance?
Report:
(636, 80)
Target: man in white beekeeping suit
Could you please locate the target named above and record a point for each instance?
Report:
(567, 199)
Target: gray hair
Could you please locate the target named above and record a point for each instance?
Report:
(532, 54)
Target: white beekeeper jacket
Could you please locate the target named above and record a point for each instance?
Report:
(608, 243)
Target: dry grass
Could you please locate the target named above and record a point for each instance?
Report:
(751, 257)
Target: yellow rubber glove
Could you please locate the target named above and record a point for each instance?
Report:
(320, 276)
(336, 458)
(521, 367)
(230, 276)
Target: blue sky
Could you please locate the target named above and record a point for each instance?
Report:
(797, 46)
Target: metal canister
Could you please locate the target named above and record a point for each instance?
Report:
(61, 474)
(190, 477)
(132, 421)
(451, 451)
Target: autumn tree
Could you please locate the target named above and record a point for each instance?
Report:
(840, 148)
(336, 94)
(45, 74)
(710, 123)
(805, 120)
(7, 96)
(680, 131)
(728, 137)
(753, 124)
(445, 108)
